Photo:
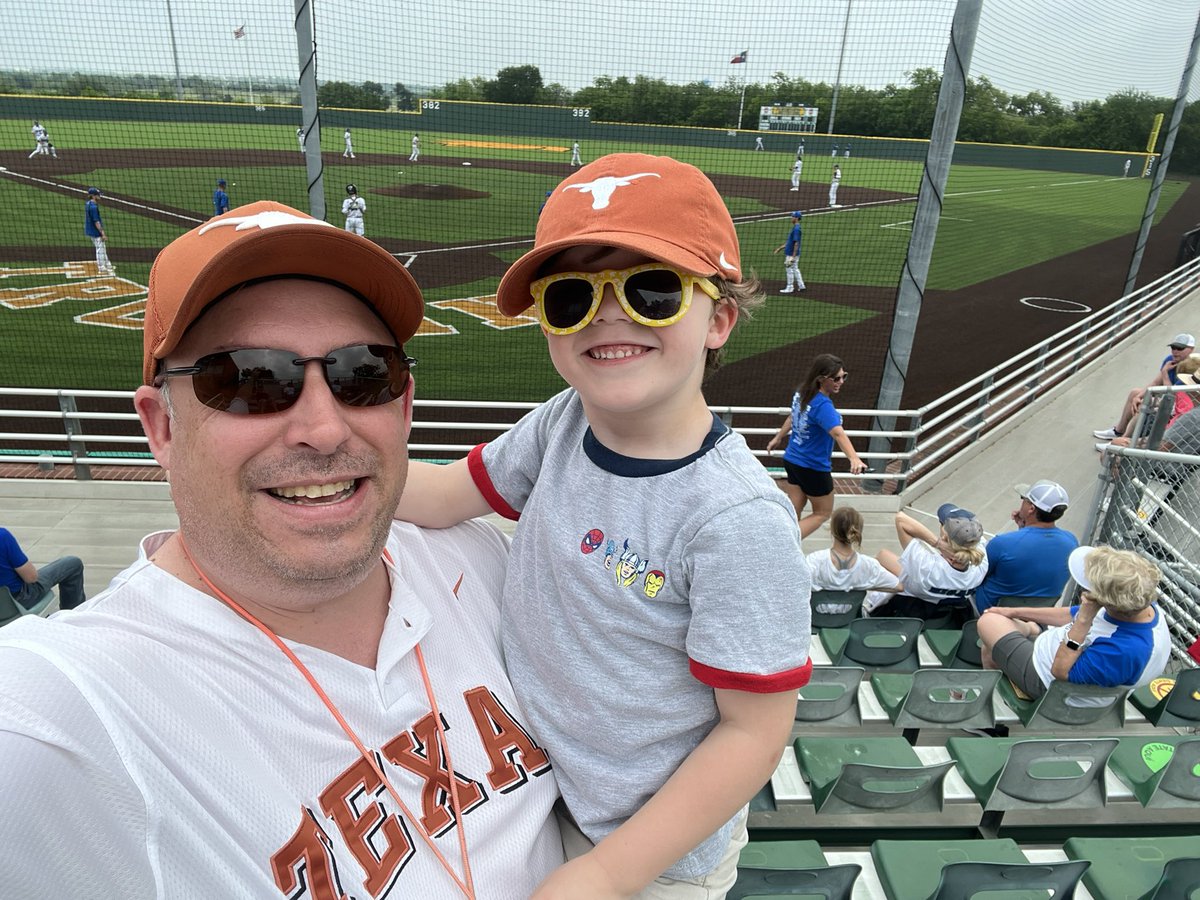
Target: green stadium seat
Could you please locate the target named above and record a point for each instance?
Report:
(831, 696)
(1013, 773)
(835, 609)
(790, 868)
(938, 698)
(1162, 771)
(10, 610)
(876, 644)
(1135, 866)
(959, 649)
(1180, 708)
(1066, 704)
(956, 870)
(855, 775)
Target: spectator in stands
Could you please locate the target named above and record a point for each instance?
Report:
(1181, 347)
(811, 429)
(28, 583)
(939, 572)
(842, 567)
(1116, 636)
(1031, 561)
(1186, 373)
(1183, 434)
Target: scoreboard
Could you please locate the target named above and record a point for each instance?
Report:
(788, 118)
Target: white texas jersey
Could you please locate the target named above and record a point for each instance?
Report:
(353, 207)
(188, 759)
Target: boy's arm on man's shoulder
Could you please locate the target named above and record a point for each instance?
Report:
(437, 496)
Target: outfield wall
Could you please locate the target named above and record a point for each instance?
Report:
(566, 123)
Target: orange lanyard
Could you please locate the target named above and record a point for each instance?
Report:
(466, 883)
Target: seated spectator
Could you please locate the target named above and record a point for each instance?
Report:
(1181, 347)
(1116, 636)
(1183, 434)
(1031, 561)
(842, 567)
(1186, 372)
(28, 583)
(938, 572)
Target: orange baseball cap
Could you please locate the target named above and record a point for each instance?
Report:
(654, 205)
(265, 240)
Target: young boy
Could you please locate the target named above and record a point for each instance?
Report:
(656, 606)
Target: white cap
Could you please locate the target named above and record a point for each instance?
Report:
(1183, 339)
(1045, 495)
(1075, 565)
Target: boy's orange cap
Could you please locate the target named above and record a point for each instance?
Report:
(264, 240)
(653, 205)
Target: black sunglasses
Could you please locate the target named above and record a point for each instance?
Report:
(254, 382)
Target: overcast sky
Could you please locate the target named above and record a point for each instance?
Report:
(1074, 49)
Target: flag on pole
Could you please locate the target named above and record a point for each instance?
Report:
(240, 32)
(740, 58)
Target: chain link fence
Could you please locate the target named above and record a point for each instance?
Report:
(1150, 503)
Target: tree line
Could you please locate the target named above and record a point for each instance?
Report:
(1120, 122)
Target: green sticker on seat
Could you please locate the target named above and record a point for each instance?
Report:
(1157, 755)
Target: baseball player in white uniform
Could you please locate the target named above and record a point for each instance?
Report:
(797, 168)
(1125, 173)
(758, 144)
(300, 138)
(349, 151)
(41, 140)
(345, 726)
(575, 160)
(353, 208)
(833, 185)
(416, 148)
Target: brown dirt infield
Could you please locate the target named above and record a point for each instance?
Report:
(430, 192)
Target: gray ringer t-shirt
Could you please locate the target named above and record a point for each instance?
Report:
(635, 587)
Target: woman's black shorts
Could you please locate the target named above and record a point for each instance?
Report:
(811, 481)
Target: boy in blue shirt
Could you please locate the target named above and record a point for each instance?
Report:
(220, 198)
(93, 227)
(656, 620)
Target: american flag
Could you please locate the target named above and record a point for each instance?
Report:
(240, 32)
(740, 58)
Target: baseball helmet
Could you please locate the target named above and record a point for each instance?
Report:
(93, 190)
(351, 189)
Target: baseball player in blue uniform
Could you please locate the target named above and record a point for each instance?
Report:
(791, 258)
(220, 198)
(93, 227)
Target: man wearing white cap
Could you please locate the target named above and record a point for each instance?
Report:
(1181, 346)
(1031, 561)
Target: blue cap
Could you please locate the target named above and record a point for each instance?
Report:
(93, 190)
(220, 181)
(797, 214)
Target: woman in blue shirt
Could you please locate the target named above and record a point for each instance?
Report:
(811, 429)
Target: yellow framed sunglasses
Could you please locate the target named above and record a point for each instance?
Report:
(652, 294)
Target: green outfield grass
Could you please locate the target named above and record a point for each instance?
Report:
(995, 220)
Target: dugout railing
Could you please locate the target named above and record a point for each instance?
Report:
(93, 430)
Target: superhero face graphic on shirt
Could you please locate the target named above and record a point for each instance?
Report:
(654, 583)
(629, 566)
(591, 541)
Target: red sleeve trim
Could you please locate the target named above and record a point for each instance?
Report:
(774, 683)
(484, 483)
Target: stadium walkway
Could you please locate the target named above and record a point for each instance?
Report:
(102, 522)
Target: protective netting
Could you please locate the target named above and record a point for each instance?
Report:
(152, 104)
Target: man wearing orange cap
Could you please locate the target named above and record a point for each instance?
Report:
(291, 694)
(656, 620)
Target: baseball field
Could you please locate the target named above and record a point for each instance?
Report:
(468, 207)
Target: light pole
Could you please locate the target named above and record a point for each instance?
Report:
(174, 53)
(837, 82)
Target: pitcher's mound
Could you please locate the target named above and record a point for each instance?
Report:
(430, 192)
